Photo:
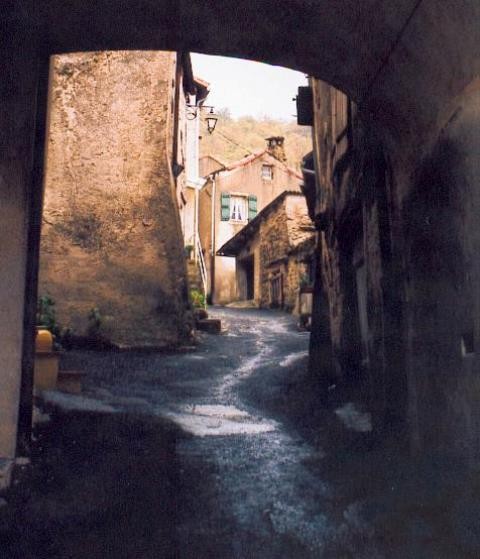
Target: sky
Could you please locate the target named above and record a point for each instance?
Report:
(249, 88)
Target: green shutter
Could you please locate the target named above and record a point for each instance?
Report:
(252, 207)
(225, 205)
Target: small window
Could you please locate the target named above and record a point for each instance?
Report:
(267, 172)
(238, 208)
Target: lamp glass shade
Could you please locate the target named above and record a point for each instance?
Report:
(211, 119)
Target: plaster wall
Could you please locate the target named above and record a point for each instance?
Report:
(188, 216)
(188, 180)
(111, 231)
(205, 228)
(18, 97)
(208, 164)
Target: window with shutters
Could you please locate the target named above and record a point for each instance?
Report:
(238, 208)
(252, 207)
(267, 172)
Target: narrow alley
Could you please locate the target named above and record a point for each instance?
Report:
(239, 256)
(198, 455)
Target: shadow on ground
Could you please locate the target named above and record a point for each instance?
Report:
(417, 507)
(103, 486)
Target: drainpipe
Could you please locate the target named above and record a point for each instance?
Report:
(212, 261)
(195, 174)
(195, 224)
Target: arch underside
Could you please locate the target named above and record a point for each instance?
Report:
(399, 59)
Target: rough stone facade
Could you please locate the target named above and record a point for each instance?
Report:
(398, 273)
(360, 278)
(274, 253)
(111, 236)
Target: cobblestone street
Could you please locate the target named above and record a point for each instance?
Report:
(221, 452)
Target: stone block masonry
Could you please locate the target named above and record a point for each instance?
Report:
(111, 235)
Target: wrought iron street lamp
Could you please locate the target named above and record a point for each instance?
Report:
(211, 118)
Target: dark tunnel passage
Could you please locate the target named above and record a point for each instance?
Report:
(392, 188)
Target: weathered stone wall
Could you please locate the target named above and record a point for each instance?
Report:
(283, 227)
(111, 231)
(411, 345)
(300, 228)
(293, 274)
(354, 209)
(274, 247)
(442, 309)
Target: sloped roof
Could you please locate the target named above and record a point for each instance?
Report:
(256, 155)
(245, 160)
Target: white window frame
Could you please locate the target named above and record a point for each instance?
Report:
(238, 206)
(267, 176)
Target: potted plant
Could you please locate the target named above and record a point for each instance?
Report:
(46, 357)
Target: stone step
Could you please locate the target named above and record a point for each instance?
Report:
(210, 325)
(70, 381)
(200, 314)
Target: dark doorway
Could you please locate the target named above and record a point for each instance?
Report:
(276, 290)
(245, 278)
(248, 265)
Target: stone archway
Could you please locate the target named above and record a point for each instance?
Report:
(405, 64)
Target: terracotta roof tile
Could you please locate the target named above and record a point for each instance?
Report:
(255, 155)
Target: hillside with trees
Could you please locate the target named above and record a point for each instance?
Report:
(236, 137)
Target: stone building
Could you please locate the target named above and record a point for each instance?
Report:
(274, 254)
(394, 311)
(358, 298)
(111, 232)
(231, 198)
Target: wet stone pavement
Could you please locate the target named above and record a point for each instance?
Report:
(219, 452)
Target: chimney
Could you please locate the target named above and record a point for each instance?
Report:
(275, 147)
